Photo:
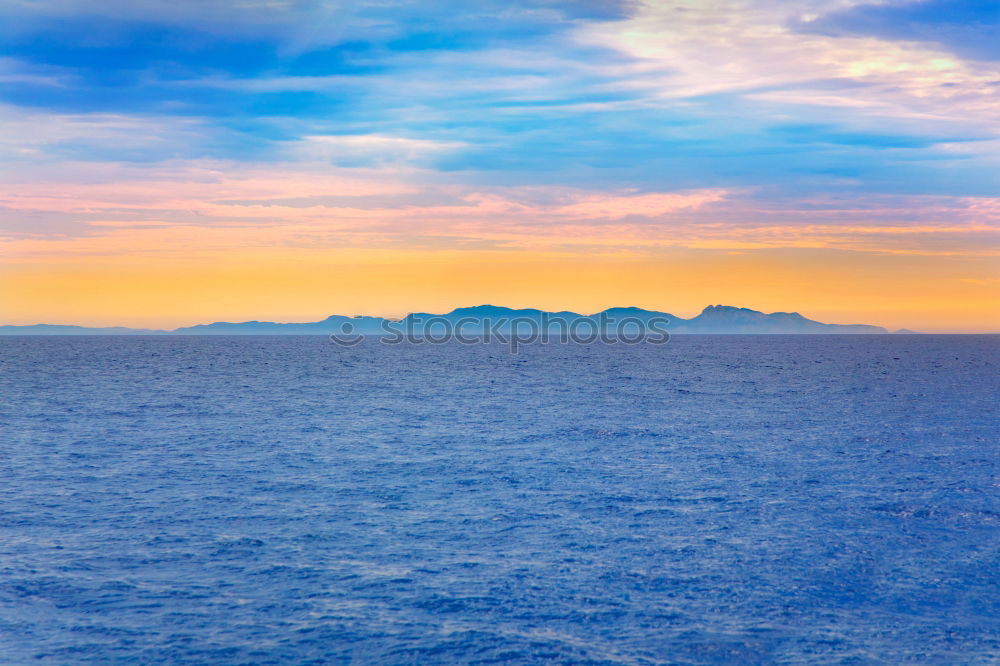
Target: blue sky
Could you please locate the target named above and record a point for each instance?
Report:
(518, 84)
(805, 120)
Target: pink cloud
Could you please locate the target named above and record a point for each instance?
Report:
(206, 206)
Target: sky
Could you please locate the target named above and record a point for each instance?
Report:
(169, 162)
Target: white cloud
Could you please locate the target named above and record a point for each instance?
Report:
(369, 149)
(705, 47)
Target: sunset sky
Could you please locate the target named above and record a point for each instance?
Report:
(169, 162)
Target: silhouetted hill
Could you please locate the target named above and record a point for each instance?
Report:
(728, 319)
(60, 329)
(332, 324)
(714, 319)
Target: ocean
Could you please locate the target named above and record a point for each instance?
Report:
(718, 499)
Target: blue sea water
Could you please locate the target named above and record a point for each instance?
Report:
(255, 500)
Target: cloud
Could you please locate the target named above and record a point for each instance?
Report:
(609, 207)
(369, 149)
(968, 28)
(751, 46)
(211, 207)
(747, 122)
(389, 201)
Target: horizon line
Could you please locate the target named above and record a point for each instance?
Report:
(707, 308)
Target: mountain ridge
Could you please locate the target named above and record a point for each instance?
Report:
(713, 319)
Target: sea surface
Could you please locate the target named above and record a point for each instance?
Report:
(718, 499)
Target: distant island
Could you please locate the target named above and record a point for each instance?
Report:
(714, 319)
